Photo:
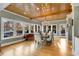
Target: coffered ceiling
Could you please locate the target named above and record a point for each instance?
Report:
(41, 11)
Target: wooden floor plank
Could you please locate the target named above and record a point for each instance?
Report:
(59, 47)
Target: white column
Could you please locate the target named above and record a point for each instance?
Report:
(73, 39)
(23, 29)
(37, 28)
(42, 29)
(29, 29)
(46, 28)
(51, 28)
(34, 28)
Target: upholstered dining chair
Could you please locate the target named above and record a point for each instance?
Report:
(49, 38)
(37, 38)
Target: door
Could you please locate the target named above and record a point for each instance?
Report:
(63, 30)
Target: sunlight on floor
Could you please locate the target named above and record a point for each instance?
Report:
(32, 47)
(63, 45)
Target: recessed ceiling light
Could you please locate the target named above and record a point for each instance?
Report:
(47, 9)
(37, 8)
(24, 12)
(52, 8)
(43, 10)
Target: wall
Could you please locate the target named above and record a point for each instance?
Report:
(0, 32)
(76, 26)
(76, 31)
(70, 29)
(57, 22)
(9, 15)
(3, 5)
(76, 21)
(6, 14)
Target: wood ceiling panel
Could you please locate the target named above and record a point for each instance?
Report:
(41, 10)
(53, 17)
(16, 10)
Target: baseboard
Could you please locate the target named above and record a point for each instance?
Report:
(11, 42)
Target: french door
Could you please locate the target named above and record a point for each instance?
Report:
(63, 30)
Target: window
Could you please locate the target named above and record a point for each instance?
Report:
(19, 29)
(49, 28)
(44, 28)
(32, 28)
(54, 29)
(38, 28)
(8, 28)
(35, 28)
(63, 28)
(26, 29)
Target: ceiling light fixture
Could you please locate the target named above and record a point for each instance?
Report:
(47, 9)
(52, 8)
(37, 8)
(24, 12)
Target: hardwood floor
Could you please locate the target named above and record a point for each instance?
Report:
(59, 47)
